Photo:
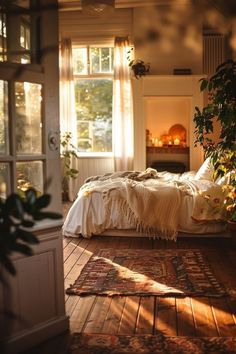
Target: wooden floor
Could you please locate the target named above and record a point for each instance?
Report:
(136, 314)
(198, 316)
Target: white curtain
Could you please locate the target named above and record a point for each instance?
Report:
(67, 92)
(67, 103)
(123, 131)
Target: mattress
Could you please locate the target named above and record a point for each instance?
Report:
(87, 217)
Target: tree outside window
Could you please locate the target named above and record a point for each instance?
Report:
(93, 76)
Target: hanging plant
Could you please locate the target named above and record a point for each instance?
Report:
(138, 66)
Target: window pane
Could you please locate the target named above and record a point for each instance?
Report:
(94, 114)
(4, 137)
(29, 175)
(95, 60)
(4, 180)
(101, 60)
(15, 27)
(28, 118)
(79, 60)
(3, 36)
(105, 59)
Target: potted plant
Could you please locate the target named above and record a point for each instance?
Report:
(221, 109)
(138, 66)
(68, 151)
(230, 204)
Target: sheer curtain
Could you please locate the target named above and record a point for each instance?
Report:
(67, 103)
(122, 108)
(67, 92)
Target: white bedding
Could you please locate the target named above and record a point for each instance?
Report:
(98, 208)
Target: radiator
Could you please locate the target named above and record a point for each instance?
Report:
(213, 52)
(88, 167)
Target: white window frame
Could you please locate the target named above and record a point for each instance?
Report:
(90, 75)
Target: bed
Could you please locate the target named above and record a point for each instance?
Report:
(148, 203)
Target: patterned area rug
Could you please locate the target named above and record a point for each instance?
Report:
(169, 272)
(147, 344)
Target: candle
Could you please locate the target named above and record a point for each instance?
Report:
(176, 141)
(156, 142)
(160, 143)
(153, 141)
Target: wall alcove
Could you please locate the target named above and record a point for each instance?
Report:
(160, 100)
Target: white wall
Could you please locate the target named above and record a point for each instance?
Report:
(178, 42)
(159, 86)
(162, 112)
(176, 48)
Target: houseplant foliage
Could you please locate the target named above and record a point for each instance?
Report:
(138, 66)
(230, 200)
(221, 89)
(68, 151)
(18, 215)
(221, 108)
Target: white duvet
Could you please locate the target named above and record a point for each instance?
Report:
(157, 205)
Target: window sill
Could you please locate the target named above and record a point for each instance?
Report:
(87, 155)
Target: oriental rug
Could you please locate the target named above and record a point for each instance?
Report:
(166, 272)
(84, 343)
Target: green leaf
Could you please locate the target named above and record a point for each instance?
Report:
(31, 196)
(7, 263)
(47, 215)
(43, 201)
(27, 223)
(203, 85)
(10, 204)
(22, 248)
(27, 236)
(74, 171)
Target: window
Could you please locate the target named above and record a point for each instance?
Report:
(17, 25)
(93, 78)
(27, 150)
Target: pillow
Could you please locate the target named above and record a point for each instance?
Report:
(205, 171)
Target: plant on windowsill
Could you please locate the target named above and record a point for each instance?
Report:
(68, 151)
(221, 109)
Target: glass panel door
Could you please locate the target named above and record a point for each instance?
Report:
(29, 175)
(28, 99)
(4, 125)
(4, 179)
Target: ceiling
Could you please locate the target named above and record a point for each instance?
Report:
(70, 5)
(225, 7)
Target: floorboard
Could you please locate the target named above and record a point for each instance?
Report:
(189, 316)
(171, 316)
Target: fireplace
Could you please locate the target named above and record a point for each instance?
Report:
(167, 132)
(161, 103)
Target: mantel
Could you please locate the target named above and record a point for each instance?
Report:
(167, 149)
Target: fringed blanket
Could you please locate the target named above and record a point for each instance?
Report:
(151, 200)
(152, 207)
(149, 203)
